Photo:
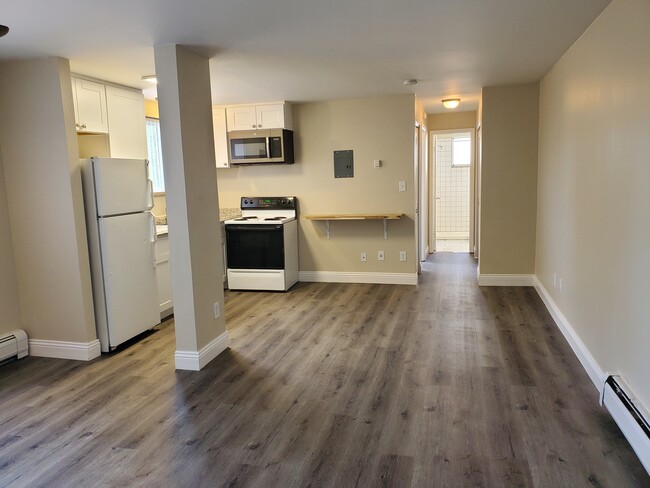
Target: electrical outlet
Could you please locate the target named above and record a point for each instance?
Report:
(402, 185)
(402, 255)
(364, 257)
(561, 283)
(217, 310)
(376, 163)
(554, 280)
(380, 255)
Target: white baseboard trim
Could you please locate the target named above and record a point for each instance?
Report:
(362, 277)
(80, 351)
(595, 372)
(505, 279)
(631, 429)
(196, 360)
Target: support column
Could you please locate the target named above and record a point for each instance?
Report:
(192, 205)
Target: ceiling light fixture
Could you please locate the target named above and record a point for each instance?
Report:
(410, 82)
(3, 30)
(150, 79)
(450, 102)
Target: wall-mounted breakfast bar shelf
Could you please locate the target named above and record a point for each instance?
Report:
(329, 218)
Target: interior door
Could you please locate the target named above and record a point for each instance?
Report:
(130, 284)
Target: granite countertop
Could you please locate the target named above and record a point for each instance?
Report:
(229, 213)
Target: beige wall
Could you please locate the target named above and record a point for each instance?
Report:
(42, 176)
(592, 224)
(509, 179)
(451, 120)
(9, 306)
(375, 128)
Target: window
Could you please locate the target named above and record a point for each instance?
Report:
(461, 149)
(154, 152)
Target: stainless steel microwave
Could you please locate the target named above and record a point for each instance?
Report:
(270, 146)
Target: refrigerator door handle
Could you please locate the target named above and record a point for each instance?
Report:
(150, 193)
(153, 237)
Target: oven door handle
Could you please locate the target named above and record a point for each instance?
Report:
(253, 227)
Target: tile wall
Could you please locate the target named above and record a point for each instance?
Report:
(452, 193)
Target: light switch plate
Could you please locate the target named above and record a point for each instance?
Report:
(402, 185)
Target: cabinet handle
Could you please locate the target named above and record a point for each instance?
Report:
(254, 126)
(83, 126)
(77, 125)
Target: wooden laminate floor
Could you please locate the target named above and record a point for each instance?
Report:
(330, 385)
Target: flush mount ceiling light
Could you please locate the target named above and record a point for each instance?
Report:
(150, 79)
(3, 30)
(450, 102)
(410, 82)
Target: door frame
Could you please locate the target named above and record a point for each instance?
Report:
(424, 194)
(416, 191)
(472, 185)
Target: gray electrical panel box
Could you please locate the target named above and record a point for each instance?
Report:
(344, 164)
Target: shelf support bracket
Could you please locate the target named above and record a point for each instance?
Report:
(385, 230)
(327, 222)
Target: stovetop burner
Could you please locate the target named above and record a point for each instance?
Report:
(241, 219)
(275, 218)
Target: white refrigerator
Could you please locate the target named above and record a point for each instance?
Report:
(118, 197)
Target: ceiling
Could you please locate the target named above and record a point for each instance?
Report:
(309, 50)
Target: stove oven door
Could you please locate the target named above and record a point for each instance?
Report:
(255, 246)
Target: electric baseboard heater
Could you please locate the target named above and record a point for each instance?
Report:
(630, 416)
(13, 344)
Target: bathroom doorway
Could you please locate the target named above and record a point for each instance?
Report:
(452, 186)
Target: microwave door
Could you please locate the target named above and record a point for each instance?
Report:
(249, 149)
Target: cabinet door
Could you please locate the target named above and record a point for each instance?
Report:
(270, 116)
(90, 106)
(163, 276)
(220, 137)
(127, 135)
(225, 261)
(241, 118)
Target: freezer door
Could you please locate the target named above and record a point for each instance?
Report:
(121, 186)
(130, 286)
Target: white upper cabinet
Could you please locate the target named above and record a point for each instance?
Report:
(90, 112)
(260, 116)
(127, 130)
(242, 117)
(270, 116)
(220, 137)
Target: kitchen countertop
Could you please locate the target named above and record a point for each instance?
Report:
(224, 214)
(229, 213)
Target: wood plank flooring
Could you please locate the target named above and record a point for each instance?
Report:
(330, 385)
